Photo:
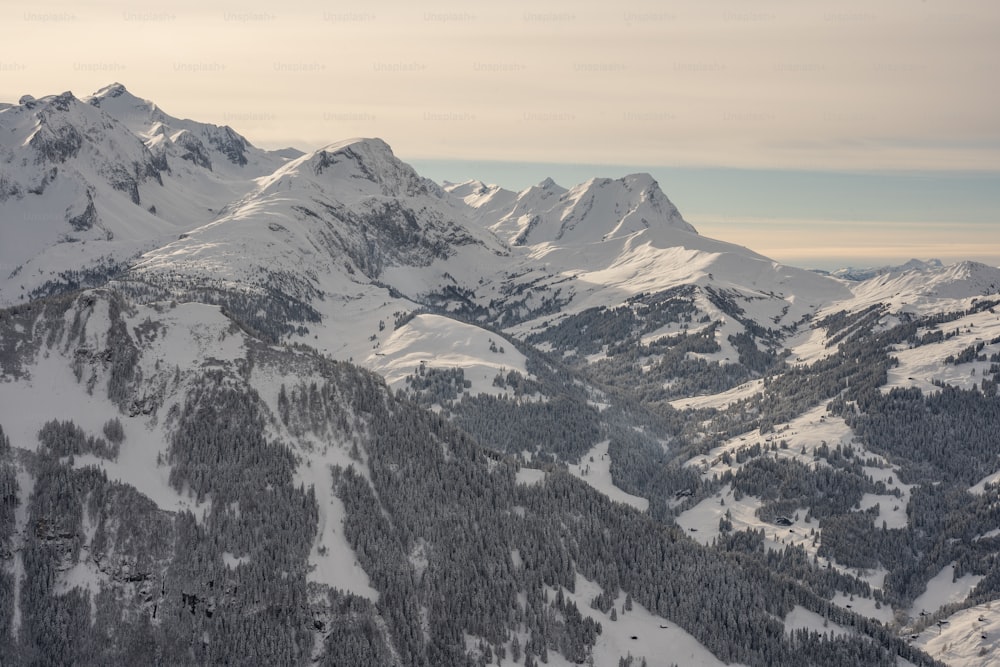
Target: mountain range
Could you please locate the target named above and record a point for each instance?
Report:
(314, 408)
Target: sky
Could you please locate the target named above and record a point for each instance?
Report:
(819, 133)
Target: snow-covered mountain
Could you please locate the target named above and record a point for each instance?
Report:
(352, 216)
(321, 231)
(219, 149)
(71, 177)
(930, 284)
(547, 213)
(351, 225)
(86, 185)
(350, 207)
(313, 408)
(856, 274)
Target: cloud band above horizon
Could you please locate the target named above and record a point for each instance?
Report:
(903, 85)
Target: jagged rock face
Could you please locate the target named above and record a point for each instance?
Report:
(372, 160)
(55, 141)
(230, 144)
(193, 149)
(87, 218)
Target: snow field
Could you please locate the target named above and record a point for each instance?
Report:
(440, 342)
(970, 638)
(810, 429)
(595, 469)
(659, 645)
(332, 559)
(529, 476)
(701, 523)
(637, 632)
(944, 589)
(920, 366)
(721, 400)
(800, 618)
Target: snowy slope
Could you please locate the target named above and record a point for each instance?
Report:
(600, 243)
(488, 202)
(439, 342)
(639, 633)
(969, 638)
(341, 236)
(925, 365)
(65, 377)
(595, 469)
(606, 239)
(943, 589)
(924, 288)
(206, 166)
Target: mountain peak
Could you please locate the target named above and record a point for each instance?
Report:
(137, 114)
(599, 209)
(365, 161)
(112, 90)
(633, 203)
(372, 143)
(60, 102)
(368, 148)
(124, 99)
(640, 180)
(471, 187)
(203, 143)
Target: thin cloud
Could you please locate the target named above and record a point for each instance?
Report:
(898, 85)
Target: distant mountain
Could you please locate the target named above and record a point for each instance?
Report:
(925, 286)
(854, 274)
(549, 213)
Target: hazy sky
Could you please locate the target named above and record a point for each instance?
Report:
(724, 91)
